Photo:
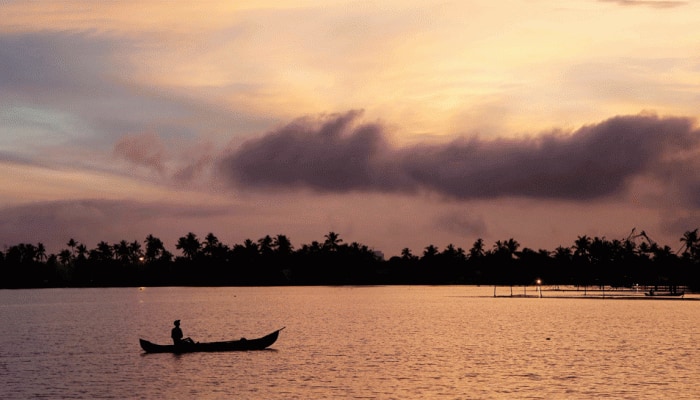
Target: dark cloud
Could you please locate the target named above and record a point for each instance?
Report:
(595, 161)
(338, 154)
(332, 153)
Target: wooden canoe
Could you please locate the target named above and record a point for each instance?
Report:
(231, 345)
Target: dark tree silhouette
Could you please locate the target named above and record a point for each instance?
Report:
(154, 248)
(190, 245)
(332, 242)
(270, 260)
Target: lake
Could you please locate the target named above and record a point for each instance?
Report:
(393, 342)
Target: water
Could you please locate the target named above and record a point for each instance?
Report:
(404, 342)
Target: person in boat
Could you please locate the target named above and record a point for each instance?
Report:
(177, 335)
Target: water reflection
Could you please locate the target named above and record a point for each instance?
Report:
(344, 342)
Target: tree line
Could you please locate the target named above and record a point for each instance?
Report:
(273, 260)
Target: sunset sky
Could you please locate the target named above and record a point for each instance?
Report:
(392, 123)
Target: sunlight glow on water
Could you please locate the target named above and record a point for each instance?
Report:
(347, 342)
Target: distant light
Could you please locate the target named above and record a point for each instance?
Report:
(539, 281)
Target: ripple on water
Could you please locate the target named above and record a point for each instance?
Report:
(376, 342)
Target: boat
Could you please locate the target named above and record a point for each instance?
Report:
(231, 345)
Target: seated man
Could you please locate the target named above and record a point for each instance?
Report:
(176, 334)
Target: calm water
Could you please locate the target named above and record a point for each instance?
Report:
(403, 342)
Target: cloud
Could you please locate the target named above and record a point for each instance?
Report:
(195, 170)
(331, 153)
(6, 156)
(461, 224)
(592, 162)
(60, 65)
(84, 88)
(149, 150)
(337, 153)
(145, 149)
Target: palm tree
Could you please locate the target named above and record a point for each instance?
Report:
(430, 251)
(662, 253)
(265, 245)
(582, 247)
(512, 245)
(406, 254)
(72, 243)
(28, 252)
(104, 251)
(154, 248)
(691, 244)
(211, 242)
(135, 253)
(332, 242)
(282, 245)
(189, 244)
(477, 249)
(507, 248)
(248, 250)
(562, 254)
(65, 256)
(454, 252)
(122, 251)
(81, 251)
(40, 252)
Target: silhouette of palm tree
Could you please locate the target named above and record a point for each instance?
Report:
(282, 245)
(265, 245)
(477, 249)
(104, 251)
(135, 253)
(582, 247)
(430, 251)
(154, 248)
(72, 243)
(407, 255)
(332, 242)
(65, 256)
(562, 253)
(81, 251)
(189, 244)
(211, 242)
(507, 248)
(40, 252)
(122, 252)
(691, 244)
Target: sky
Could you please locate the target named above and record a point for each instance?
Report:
(396, 124)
